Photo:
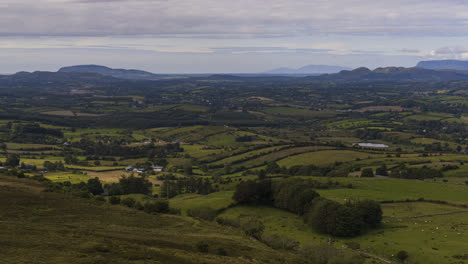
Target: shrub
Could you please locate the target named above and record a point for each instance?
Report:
(114, 200)
(99, 198)
(138, 206)
(253, 227)
(157, 206)
(221, 252)
(353, 245)
(203, 212)
(279, 242)
(129, 202)
(202, 246)
(319, 254)
(368, 172)
(234, 222)
(402, 255)
(95, 186)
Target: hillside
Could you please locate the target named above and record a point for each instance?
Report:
(38, 227)
(393, 74)
(116, 73)
(444, 65)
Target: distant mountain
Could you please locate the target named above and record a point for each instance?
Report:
(393, 74)
(116, 73)
(309, 69)
(43, 77)
(444, 65)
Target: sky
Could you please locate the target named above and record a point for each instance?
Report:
(226, 36)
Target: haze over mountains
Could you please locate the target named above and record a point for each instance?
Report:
(309, 69)
(117, 73)
(444, 65)
(426, 71)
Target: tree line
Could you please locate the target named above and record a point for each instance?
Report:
(298, 196)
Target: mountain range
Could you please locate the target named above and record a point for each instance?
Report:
(102, 74)
(393, 74)
(444, 65)
(309, 69)
(116, 73)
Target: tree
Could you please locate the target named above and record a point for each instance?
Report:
(251, 192)
(402, 255)
(382, 170)
(12, 160)
(157, 206)
(188, 169)
(253, 227)
(370, 212)
(3, 147)
(348, 222)
(368, 172)
(261, 174)
(129, 202)
(95, 186)
(134, 184)
(322, 216)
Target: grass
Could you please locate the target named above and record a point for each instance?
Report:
(66, 176)
(325, 157)
(397, 189)
(290, 111)
(37, 227)
(200, 151)
(437, 238)
(217, 200)
(246, 155)
(278, 155)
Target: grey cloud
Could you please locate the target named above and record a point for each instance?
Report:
(221, 18)
(405, 50)
(267, 49)
(450, 51)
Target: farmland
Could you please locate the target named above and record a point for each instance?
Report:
(155, 168)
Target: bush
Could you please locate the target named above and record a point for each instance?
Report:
(129, 202)
(368, 172)
(253, 227)
(319, 254)
(99, 198)
(114, 200)
(95, 186)
(402, 255)
(279, 242)
(157, 206)
(202, 246)
(234, 222)
(138, 206)
(203, 212)
(353, 245)
(221, 252)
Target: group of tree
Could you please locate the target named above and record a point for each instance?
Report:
(343, 220)
(295, 195)
(130, 185)
(171, 188)
(53, 166)
(116, 148)
(418, 173)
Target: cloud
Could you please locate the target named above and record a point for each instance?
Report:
(457, 52)
(268, 50)
(226, 18)
(405, 50)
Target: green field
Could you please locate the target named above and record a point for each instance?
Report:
(217, 201)
(325, 157)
